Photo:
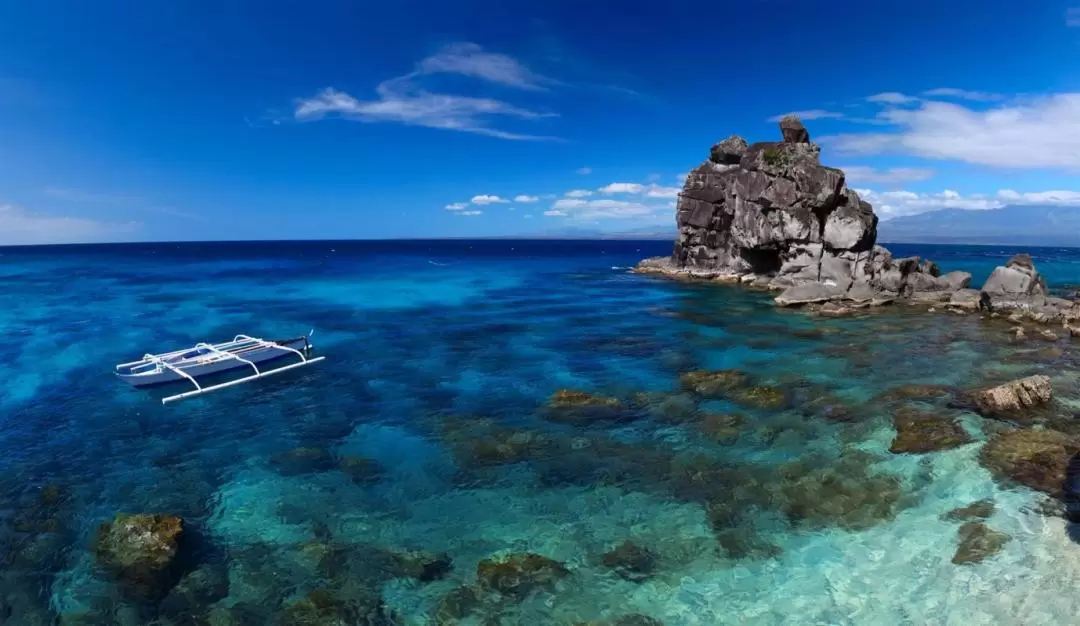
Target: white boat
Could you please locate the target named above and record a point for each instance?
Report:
(204, 359)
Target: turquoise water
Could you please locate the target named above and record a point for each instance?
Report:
(441, 361)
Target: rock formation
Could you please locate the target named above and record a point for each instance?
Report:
(771, 215)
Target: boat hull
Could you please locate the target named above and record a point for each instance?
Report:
(196, 371)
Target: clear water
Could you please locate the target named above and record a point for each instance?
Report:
(434, 346)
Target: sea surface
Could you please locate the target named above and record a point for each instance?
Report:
(431, 427)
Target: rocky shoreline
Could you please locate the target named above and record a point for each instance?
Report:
(770, 216)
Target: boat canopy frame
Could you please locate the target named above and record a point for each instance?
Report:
(253, 343)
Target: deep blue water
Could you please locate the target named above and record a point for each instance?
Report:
(434, 346)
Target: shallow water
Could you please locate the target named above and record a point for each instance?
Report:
(441, 359)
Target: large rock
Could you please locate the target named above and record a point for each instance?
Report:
(1016, 395)
(771, 214)
(1017, 280)
(1036, 458)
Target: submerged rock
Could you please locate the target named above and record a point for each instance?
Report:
(303, 460)
(362, 470)
(713, 383)
(631, 561)
(1034, 457)
(977, 542)
(918, 432)
(976, 510)
(196, 591)
(578, 407)
(420, 564)
(323, 607)
(634, 619)
(141, 551)
(518, 574)
(720, 427)
(760, 397)
(1019, 394)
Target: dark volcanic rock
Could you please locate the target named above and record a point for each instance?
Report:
(977, 542)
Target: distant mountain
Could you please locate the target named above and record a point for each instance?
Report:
(1015, 225)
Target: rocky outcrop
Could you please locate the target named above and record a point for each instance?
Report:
(977, 541)
(771, 215)
(1019, 394)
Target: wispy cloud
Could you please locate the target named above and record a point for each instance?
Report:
(862, 175)
(469, 59)
(1037, 133)
(526, 199)
(811, 114)
(578, 193)
(622, 188)
(486, 199)
(472, 213)
(963, 94)
(584, 171)
(1072, 17)
(21, 227)
(402, 100)
(456, 206)
(891, 97)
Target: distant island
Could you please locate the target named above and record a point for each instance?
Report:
(1015, 225)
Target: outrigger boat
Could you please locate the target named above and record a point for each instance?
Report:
(204, 359)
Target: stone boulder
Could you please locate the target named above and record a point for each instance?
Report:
(729, 151)
(793, 130)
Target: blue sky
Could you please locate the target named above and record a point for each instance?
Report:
(167, 121)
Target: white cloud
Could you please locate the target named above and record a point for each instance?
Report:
(896, 203)
(456, 206)
(19, 227)
(569, 203)
(554, 213)
(578, 193)
(606, 208)
(658, 191)
(891, 97)
(811, 114)
(526, 199)
(469, 59)
(401, 100)
(486, 199)
(1072, 16)
(963, 94)
(527, 216)
(470, 213)
(1037, 133)
(899, 202)
(861, 175)
(584, 171)
(1053, 198)
(622, 188)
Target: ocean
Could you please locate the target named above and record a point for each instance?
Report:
(434, 425)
